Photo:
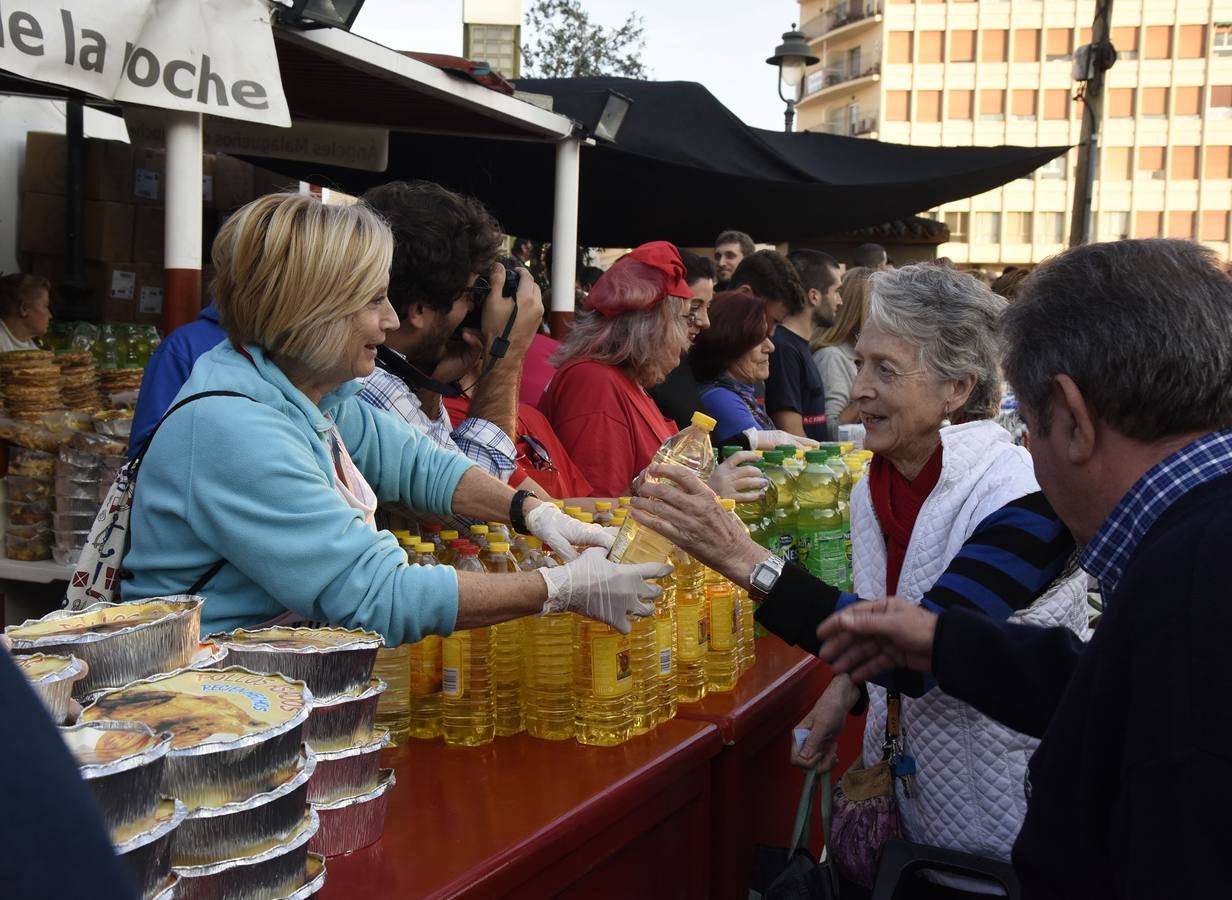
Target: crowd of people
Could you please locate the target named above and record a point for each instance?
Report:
(358, 362)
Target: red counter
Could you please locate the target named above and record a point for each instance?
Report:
(528, 818)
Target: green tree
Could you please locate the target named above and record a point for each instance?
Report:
(564, 42)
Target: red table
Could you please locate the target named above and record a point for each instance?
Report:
(754, 789)
(528, 818)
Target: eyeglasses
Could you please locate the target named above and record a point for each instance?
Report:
(887, 374)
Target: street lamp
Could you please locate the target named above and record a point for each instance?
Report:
(792, 57)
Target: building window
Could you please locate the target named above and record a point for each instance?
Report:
(992, 106)
(987, 228)
(1150, 162)
(1027, 46)
(814, 82)
(1059, 44)
(899, 48)
(1223, 39)
(1056, 104)
(932, 44)
(1114, 226)
(960, 106)
(1158, 42)
(1056, 168)
(1121, 103)
(1018, 226)
(994, 46)
(962, 46)
(1191, 42)
(1023, 105)
(1214, 225)
(1114, 164)
(1221, 101)
(1218, 164)
(1125, 39)
(1187, 101)
(1181, 224)
(1184, 165)
(928, 106)
(1050, 228)
(497, 45)
(957, 223)
(1148, 224)
(898, 106)
(1155, 102)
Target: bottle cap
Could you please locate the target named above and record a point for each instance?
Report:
(449, 535)
(425, 547)
(402, 535)
(787, 449)
(703, 421)
(559, 504)
(625, 501)
(815, 456)
(603, 505)
(498, 547)
(573, 510)
(496, 526)
(584, 517)
(773, 457)
(727, 503)
(458, 542)
(479, 529)
(468, 550)
(431, 528)
(729, 450)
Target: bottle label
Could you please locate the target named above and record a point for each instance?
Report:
(693, 625)
(785, 547)
(621, 545)
(426, 674)
(723, 624)
(611, 669)
(663, 638)
(453, 666)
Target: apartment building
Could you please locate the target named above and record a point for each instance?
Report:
(963, 73)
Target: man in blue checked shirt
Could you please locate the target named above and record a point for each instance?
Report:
(443, 244)
(1121, 357)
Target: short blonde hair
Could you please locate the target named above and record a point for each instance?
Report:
(291, 271)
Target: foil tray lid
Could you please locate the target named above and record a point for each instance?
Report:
(100, 621)
(314, 878)
(43, 669)
(107, 747)
(379, 741)
(374, 687)
(280, 639)
(168, 889)
(167, 818)
(304, 768)
(385, 783)
(209, 710)
(303, 834)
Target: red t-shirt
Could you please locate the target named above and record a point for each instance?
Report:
(608, 423)
(537, 371)
(559, 476)
(897, 503)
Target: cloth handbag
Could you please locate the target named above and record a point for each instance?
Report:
(791, 873)
(97, 575)
(866, 808)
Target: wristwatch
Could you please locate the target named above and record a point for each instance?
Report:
(765, 576)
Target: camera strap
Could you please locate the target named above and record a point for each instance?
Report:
(500, 346)
(414, 378)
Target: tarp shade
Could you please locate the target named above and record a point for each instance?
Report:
(684, 168)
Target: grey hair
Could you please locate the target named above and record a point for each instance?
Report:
(633, 340)
(952, 319)
(1144, 329)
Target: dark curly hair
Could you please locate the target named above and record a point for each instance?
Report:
(772, 277)
(738, 323)
(440, 240)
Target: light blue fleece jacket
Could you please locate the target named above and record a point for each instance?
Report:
(254, 484)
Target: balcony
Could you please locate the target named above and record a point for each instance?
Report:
(821, 80)
(844, 16)
(865, 125)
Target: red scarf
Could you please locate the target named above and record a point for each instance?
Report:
(897, 503)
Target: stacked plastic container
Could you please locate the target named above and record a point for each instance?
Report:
(84, 471)
(29, 488)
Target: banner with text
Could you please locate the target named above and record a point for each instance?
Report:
(208, 56)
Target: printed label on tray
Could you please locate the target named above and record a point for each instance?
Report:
(426, 669)
(664, 640)
(693, 626)
(299, 638)
(453, 666)
(723, 627)
(99, 746)
(40, 666)
(99, 621)
(611, 669)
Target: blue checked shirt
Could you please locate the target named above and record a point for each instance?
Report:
(477, 439)
(1109, 552)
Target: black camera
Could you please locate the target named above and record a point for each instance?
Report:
(483, 286)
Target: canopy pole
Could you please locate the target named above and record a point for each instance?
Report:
(1080, 226)
(565, 235)
(182, 261)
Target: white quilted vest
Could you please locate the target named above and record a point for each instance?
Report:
(970, 769)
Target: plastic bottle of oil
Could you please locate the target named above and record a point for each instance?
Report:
(644, 660)
(723, 652)
(548, 657)
(396, 667)
(479, 536)
(603, 512)
(499, 531)
(425, 675)
(782, 537)
(468, 703)
(431, 531)
(793, 461)
(506, 660)
(624, 502)
(746, 645)
(665, 646)
(447, 554)
(690, 448)
(692, 628)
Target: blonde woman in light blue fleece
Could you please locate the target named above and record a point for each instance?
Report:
(279, 484)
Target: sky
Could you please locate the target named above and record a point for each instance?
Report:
(723, 44)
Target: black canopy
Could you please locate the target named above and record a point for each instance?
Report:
(684, 167)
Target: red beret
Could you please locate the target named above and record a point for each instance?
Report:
(658, 255)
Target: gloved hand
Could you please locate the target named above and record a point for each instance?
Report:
(770, 439)
(744, 484)
(594, 586)
(561, 532)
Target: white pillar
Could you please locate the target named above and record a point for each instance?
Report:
(565, 231)
(182, 227)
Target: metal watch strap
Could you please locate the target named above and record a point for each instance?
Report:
(772, 567)
(516, 517)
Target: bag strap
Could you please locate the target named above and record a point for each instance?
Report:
(814, 783)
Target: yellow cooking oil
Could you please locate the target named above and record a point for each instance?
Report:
(723, 652)
(746, 644)
(644, 660)
(665, 647)
(603, 512)
(479, 536)
(547, 655)
(506, 659)
(448, 554)
(692, 628)
(425, 677)
(468, 703)
(394, 667)
(602, 684)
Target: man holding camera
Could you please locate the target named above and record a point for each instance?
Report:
(446, 282)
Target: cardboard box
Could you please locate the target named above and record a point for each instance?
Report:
(149, 176)
(108, 228)
(149, 235)
(208, 163)
(107, 167)
(115, 286)
(232, 182)
(149, 293)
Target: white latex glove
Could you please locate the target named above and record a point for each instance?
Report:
(770, 439)
(561, 532)
(743, 484)
(594, 586)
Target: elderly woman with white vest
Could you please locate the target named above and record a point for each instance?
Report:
(927, 387)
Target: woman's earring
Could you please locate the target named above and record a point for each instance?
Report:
(945, 416)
